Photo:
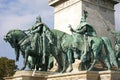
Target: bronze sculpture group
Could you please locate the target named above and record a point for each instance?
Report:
(40, 43)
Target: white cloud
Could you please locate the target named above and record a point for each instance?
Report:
(32, 3)
(23, 12)
(13, 21)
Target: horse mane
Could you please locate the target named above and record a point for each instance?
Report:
(13, 30)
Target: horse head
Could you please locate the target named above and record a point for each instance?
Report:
(13, 37)
(9, 38)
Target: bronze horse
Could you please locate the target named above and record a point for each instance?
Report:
(70, 42)
(15, 38)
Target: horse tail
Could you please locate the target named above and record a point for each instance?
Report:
(110, 53)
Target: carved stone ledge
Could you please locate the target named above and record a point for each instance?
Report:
(109, 75)
(55, 2)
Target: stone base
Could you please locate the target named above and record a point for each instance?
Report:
(81, 75)
(25, 78)
(109, 75)
(27, 75)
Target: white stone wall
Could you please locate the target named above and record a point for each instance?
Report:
(100, 17)
(69, 12)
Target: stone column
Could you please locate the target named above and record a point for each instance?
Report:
(100, 14)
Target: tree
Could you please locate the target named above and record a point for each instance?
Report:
(7, 67)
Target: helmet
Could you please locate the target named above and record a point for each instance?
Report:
(38, 19)
(83, 19)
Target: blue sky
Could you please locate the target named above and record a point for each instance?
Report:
(21, 14)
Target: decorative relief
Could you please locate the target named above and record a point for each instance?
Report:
(65, 4)
(109, 4)
(101, 3)
(103, 9)
(92, 1)
(106, 3)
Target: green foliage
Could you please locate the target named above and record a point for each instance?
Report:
(7, 67)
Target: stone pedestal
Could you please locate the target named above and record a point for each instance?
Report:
(109, 75)
(27, 75)
(82, 75)
(25, 78)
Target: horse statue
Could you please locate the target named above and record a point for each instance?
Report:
(75, 46)
(116, 35)
(84, 39)
(69, 51)
(16, 37)
(72, 47)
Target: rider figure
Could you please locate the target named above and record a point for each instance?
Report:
(36, 32)
(87, 31)
(84, 27)
(40, 29)
(40, 34)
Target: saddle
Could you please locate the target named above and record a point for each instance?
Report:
(79, 42)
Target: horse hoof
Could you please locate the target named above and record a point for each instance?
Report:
(63, 71)
(89, 69)
(23, 68)
(70, 70)
(58, 70)
(109, 69)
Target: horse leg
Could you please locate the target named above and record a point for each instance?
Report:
(94, 61)
(46, 63)
(45, 67)
(25, 60)
(110, 51)
(84, 65)
(105, 59)
(118, 57)
(69, 54)
(17, 53)
(58, 61)
(93, 64)
(64, 62)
